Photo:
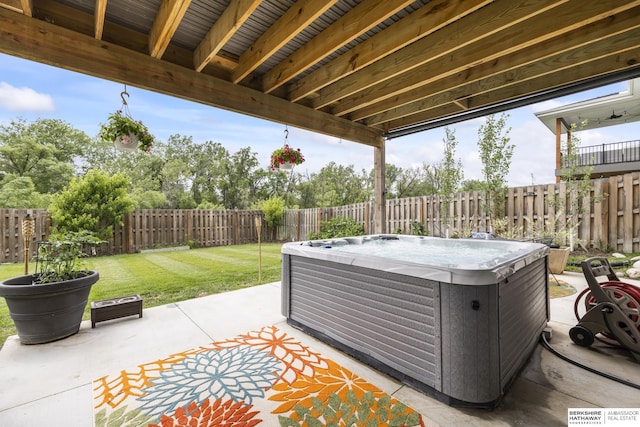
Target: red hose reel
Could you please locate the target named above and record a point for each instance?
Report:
(612, 309)
(625, 295)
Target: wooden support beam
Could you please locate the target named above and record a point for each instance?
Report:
(514, 88)
(13, 5)
(225, 27)
(353, 24)
(559, 146)
(430, 18)
(462, 103)
(27, 7)
(41, 41)
(294, 20)
(165, 25)
(552, 55)
(379, 188)
(98, 18)
(543, 26)
(482, 24)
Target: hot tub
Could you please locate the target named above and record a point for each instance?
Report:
(454, 318)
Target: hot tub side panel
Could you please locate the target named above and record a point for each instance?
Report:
(524, 312)
(489, 332)
(470, 349)
(388, 317)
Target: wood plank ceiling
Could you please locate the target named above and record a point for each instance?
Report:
(354, 69)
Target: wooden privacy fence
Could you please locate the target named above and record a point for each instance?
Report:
(610, 218)
(12, 243)
(144, 228)
(147, 228)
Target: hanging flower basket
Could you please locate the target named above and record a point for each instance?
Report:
(286, 157)
(126, 142)
(125, 133)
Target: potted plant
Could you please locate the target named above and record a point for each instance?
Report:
(286, 157)
(553, 234)
(125, 133)
(558, 252)
(48, 305)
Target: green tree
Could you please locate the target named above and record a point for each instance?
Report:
(403, 182)
(432, 181)
(149, 199)
(392, 174)
(267, 184)
(19, 192)
(472, 185)
(208, 165)
(177, 172)
(144, 170)
(495, 154)
(239, 170)
(95, 203)
(44, 150)
(576, 175)
(273, 211)
(338, 185)
(307, 192)
(450, 174)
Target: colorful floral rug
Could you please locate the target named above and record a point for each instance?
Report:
(264, 377)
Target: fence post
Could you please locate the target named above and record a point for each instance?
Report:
(235, 227)
(127, 233)
(627, 213)
(601, 214)
(367, 208)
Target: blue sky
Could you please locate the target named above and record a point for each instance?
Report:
(31, 90)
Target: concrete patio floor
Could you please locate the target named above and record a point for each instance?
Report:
(51, 384)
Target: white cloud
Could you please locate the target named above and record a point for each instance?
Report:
(24, 99)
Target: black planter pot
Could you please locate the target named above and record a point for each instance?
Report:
(47, 312)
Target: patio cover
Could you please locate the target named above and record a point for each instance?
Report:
(360, 70)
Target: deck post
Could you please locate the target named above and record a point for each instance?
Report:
(558, 147)
(379, 190)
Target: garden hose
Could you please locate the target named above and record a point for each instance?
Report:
(545, 344)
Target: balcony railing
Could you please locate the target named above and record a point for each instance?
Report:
(605, 154)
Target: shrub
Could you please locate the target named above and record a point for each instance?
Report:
(273, 210)
(93, 203)
(338, 227)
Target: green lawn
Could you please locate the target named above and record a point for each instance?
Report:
(165, 277)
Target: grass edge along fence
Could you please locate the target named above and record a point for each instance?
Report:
(612, 223)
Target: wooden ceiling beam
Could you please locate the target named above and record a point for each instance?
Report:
(294, 20)
(571, 74)
(540, 27)
(168, 18)
(27, 7)
(350, 26)
(555, 65)
(430, 18)
(225, 27)
(41, 41)
(13, 5)
(461, 83)
(98, 18)
(479, 25)
(83, 23)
